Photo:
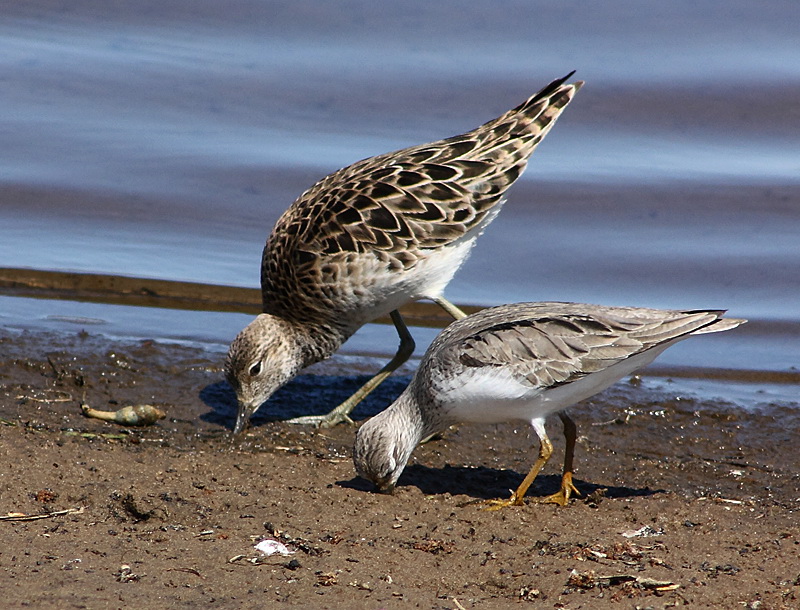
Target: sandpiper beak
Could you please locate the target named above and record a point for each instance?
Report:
(242, 418)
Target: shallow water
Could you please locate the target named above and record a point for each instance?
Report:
(163, 141)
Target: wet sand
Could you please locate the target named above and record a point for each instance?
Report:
(167, 515)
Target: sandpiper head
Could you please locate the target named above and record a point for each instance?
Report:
(375, 456)
(383, 446)
(263, 357)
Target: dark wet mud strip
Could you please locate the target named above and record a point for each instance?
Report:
(144, 292)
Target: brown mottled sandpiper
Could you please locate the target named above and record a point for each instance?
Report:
(374, 236)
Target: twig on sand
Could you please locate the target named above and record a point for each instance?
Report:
(61, 396)
(56, 513)
(458, 604)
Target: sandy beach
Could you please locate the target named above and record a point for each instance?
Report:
(683, 503)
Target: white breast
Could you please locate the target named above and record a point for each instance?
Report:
(493, 394)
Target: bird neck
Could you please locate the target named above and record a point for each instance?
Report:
(405, 417)
(317, 341)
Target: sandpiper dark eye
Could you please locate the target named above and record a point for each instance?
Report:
(255, 369)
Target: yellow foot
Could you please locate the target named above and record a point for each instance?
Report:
(436, 436)
(562, 496)
(499, 503)
(322, 421)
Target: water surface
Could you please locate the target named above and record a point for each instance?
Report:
(164, 140)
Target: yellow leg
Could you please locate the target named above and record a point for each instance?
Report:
(567, 488)
(517, 498)
(341, 414)
(449, 308)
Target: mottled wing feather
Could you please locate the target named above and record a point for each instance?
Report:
(418, 198)
(550, 348)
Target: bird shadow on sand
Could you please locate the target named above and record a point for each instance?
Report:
(304, 395)
(483, 483)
